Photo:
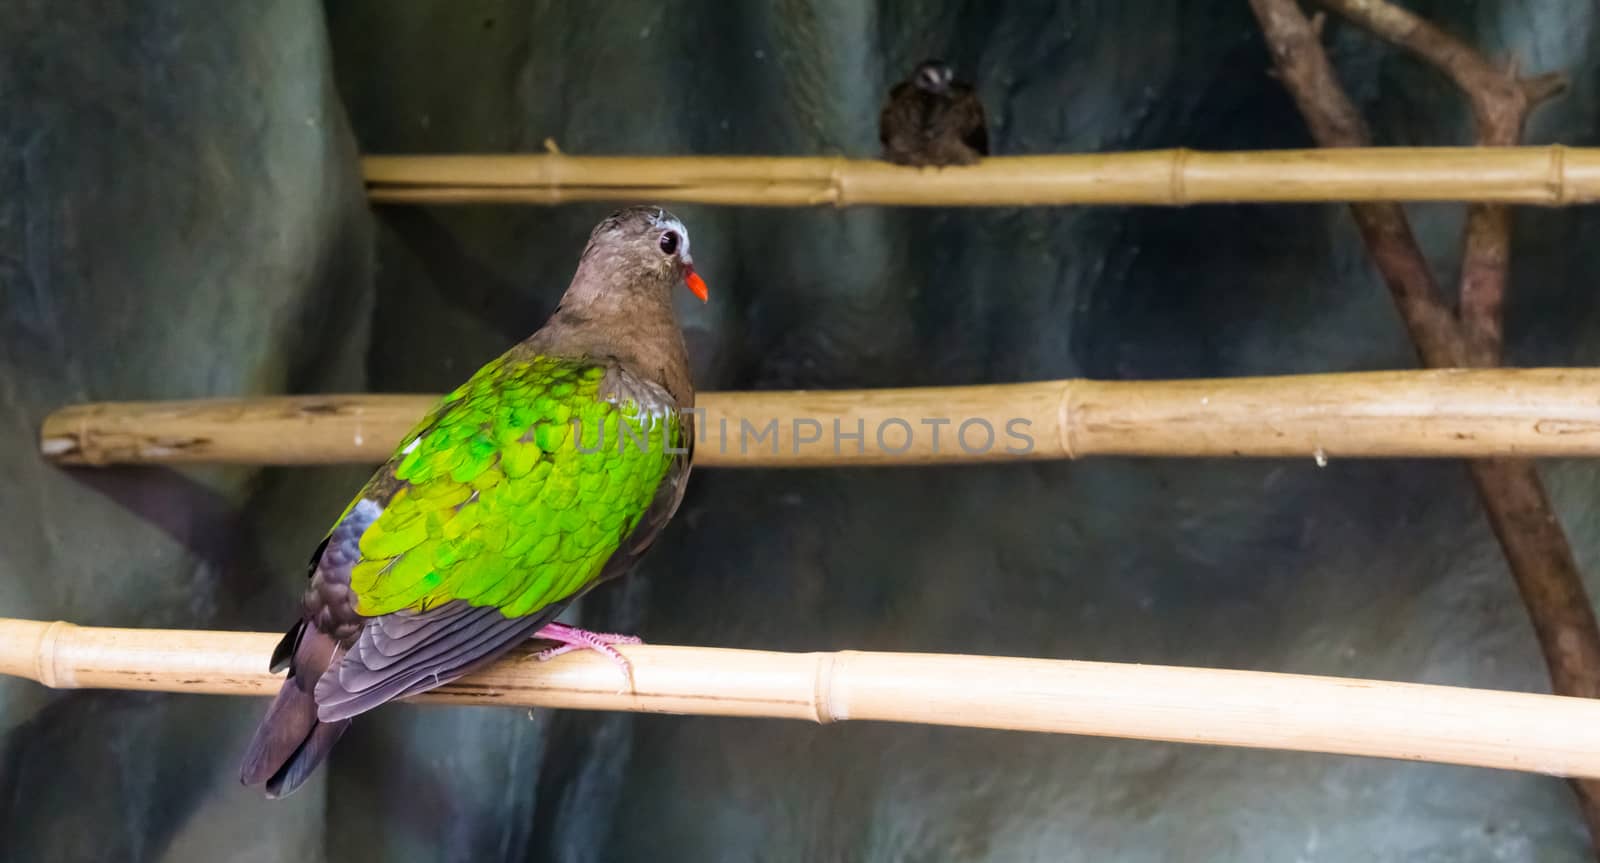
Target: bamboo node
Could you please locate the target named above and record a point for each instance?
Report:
(1560, 192)
(822, 689)
(1177, 192)
(49, 670)
(1065, 417)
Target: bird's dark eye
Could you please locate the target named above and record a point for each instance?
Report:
(669, 243)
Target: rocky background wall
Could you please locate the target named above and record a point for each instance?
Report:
(181, 215)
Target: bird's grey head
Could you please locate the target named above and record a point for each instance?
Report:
(933, 76)
(638, 242)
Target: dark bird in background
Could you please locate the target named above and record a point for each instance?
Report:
(932, 119)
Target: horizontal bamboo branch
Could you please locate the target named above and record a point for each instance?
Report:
(1441, 413)
(1550, 175)
(1450, 725)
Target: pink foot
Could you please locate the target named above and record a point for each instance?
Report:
(571, 638)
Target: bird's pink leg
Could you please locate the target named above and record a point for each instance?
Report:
(571, 638)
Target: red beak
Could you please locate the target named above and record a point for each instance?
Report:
(697, 285)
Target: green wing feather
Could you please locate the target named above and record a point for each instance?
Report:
(493, 499)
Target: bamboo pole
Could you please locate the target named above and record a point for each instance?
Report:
(1437, 413)
(1549, 175)
(1444, 724)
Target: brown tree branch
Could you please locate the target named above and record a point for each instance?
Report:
(1533, 541)
(1551, 586)
(1306, 73)
(1514, 498)
(1501, 102)
(1485, 269)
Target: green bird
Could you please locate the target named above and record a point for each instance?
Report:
(550, 471)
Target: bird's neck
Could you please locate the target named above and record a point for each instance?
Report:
(634, 326)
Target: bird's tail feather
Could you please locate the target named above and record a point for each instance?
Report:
(291, 742)
(306, 759)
